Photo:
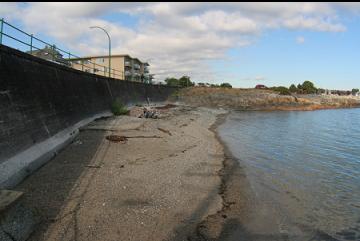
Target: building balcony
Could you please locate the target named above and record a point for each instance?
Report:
(127, 64)
(136, 66)
(128, 73)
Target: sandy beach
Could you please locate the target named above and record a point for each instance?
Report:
(169, 178)
(162, 181)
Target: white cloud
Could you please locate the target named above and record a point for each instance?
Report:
(310, 23)
(256, 78)
(259, 77)
(300, 40)
(180, 38)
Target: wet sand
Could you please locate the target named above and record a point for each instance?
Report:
(246, 217)
(227, 223)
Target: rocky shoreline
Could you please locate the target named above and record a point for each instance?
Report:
(256, 99)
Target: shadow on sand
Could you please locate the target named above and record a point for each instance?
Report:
(46, 191)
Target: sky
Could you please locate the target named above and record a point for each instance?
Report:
(244, 44)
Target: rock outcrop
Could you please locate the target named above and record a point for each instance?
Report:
(254, 99)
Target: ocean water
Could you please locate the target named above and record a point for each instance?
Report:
(303, 169)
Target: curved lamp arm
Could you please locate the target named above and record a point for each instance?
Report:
(109, 46)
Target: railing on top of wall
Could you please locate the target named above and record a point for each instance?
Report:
(55, 51)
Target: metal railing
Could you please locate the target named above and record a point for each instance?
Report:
(55, 52)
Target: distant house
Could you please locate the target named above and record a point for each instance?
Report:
(260, 87)
(327, 92)
(341, 92)
(49, 53)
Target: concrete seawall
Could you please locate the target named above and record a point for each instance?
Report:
(42, 104)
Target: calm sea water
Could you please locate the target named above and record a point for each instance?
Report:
(304, 172)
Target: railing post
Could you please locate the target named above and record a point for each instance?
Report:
(53, 51)
(1, 29)
(31, 43)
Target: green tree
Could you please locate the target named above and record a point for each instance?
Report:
(293, 88)
(185, 82)
(226, 85)
(354, 91)
(172, 81)
(308, 87)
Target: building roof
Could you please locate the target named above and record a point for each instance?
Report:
(45, 50)
(106, 56)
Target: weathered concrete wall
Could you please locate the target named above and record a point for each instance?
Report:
(39, 99)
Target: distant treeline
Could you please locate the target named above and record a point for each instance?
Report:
(308, 87)
(185, 81)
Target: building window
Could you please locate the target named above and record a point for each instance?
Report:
(100, 60)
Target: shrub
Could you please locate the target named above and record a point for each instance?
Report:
(184, 81)
(176, 93)
(293, 89)
(226, 85)
(282, 90)
(118, 108)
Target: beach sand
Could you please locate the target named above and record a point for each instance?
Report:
(162, 179)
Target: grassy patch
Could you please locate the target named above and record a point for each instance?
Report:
(118, 108)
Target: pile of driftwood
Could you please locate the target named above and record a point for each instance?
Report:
(154, 112)
(149, 113)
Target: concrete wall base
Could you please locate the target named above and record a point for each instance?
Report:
(15, 169)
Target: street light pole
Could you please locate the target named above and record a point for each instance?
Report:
(109, 47)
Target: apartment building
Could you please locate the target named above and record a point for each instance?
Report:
(49, 53)
(123, 67)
